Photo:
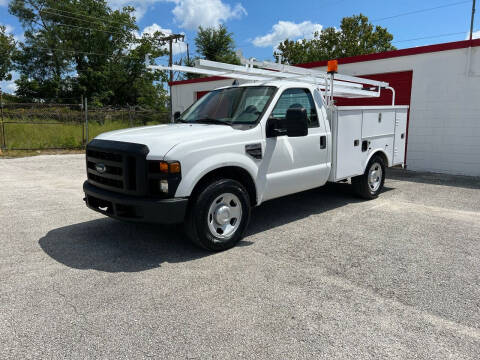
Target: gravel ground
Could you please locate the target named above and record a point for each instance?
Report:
(319, 275)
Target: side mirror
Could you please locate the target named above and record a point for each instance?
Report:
(275, 128)
(176, 116)
(296, 122)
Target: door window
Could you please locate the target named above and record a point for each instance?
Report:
(296, 98)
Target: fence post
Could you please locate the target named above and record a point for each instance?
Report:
(86, 119)
(4, 145)
(130, 115)
(81, 117)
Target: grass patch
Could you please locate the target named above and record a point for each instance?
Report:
(55, 135)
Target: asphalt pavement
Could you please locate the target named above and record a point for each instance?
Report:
(320, 275)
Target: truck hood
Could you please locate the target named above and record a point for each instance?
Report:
(161, 138)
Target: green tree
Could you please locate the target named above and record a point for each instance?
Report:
(216, 44)
(82, 47)
(7, 47)
(188, 62)
(356, 36)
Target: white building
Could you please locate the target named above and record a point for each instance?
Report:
(440, 83)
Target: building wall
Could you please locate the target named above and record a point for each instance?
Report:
(444, 125)
(185, 95)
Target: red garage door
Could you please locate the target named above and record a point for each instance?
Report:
(201, 94)
(400, 81)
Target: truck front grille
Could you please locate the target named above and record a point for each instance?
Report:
(117, 166)
(105, 155)
(106, 181)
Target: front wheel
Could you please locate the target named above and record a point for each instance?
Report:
(370, 184)
(219, 215)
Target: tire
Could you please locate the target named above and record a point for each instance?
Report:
(370, 184)
(218, 215)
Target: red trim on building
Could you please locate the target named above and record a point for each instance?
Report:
(397, 53)
(370, 57)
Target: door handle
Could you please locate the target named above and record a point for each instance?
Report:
(323, 142)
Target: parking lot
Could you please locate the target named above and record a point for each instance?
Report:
(320, 274)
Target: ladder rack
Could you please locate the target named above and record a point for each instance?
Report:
(332, 85)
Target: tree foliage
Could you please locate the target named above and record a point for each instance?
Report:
(188, 62)
(356, 36)
(83, 47)
(7, 47)
(216, 44)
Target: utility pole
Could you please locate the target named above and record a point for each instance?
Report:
(170, 39)
(471, 22)
(188, 55)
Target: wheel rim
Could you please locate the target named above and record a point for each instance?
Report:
(224, 215)
(375, 175)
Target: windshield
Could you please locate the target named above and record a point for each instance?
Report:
(238, 105)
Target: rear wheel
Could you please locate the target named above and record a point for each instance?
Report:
(370, 184)
(219, 215)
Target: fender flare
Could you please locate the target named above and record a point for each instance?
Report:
(215, 162)
(374, 152)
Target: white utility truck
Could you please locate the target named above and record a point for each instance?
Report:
(242, 145)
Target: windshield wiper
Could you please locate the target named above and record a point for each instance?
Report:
(211, 121)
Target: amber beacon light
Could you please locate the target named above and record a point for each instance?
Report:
(332, 66)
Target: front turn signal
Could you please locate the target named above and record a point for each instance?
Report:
(174, 167)
(164, 167)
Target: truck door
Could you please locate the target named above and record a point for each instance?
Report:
(296, 163)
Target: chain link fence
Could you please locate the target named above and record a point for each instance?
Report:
(66, 126)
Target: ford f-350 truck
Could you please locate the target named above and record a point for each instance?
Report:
(237, 147)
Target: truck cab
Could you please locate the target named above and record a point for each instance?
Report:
(233, 149)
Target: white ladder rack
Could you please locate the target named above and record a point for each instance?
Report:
(332, 85)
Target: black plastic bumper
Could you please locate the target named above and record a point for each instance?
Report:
(131, 208)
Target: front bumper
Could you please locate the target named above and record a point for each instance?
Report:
(126, 207)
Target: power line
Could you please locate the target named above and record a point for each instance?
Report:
(405, 14)
(79, 52)
(165, 38)
(88, 28)
(429, 37)
(85, 16)
(85, 52)
(422, 10)
(75, 18)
